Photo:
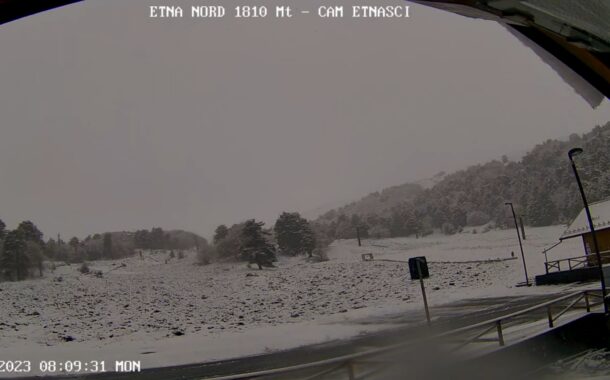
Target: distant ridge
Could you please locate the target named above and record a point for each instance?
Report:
(540, 184)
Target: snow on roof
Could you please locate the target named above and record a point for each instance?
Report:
(600, 213)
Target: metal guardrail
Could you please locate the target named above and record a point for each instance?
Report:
(347, 363)
(575, 262)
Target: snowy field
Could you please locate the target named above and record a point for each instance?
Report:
(178, 313)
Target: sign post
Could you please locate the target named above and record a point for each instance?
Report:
(418, 267)
(423, 292)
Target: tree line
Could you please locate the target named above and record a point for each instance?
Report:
(23, 250)
(541, 185)
(291, 235)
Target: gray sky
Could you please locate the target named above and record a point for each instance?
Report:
(112, 121)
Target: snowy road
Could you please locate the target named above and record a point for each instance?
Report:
(447, 317)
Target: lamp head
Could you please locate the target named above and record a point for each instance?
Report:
(574, 152)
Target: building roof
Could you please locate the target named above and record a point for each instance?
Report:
(573, 33)
(600, 213)
(14, 9)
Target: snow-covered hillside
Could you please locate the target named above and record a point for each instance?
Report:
(144, 305)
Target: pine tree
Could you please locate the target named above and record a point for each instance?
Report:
(254, 247)
(74, 243)
(220, 233)
(158, 238)
(142, 239)
(294, 234)
(309, 241)
(51, 249)
(35, 256)
(288, 233)
(31, 232)
(229, 246)
(14, 260)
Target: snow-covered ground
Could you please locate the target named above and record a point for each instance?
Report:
(469, 246)
(177, 312)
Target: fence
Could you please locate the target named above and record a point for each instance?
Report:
(576, 262)
(552, 311)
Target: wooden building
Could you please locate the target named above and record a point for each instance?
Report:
(579, 228)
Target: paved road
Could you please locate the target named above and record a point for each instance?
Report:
(447, 317)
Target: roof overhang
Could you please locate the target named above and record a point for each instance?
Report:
(572, 32)
(11, 10)
(572, 36)
(580, 234)
(600, 215)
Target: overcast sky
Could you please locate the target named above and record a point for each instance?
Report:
(113, 121)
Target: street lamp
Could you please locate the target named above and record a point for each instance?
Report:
(571, 154)
(527, 281)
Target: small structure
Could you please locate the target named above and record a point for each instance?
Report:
(582, 267)
(600, 213)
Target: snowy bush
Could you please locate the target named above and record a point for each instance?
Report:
(84, 268)
(205, 254)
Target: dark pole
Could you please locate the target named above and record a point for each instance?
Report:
(527, 281)
(358, 236)
(522, 227)
(574, 152)
(423, 291)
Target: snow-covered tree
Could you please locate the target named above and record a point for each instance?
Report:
(31, 232)
(294, 235)
(35, 256)
(220, 233)
(255, 246)
(14, 261)
(74, 243)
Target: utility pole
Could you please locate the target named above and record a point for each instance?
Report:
(571, 154)
(358, 236)
(522, 227)
(527, 281)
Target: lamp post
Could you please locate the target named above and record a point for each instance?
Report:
(527, 281)
(571, 154)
